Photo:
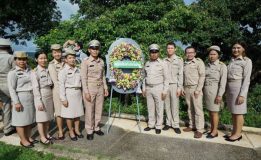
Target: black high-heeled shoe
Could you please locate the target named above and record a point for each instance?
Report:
(233, 140)
(209, 136)
(73, 138)
(27, 146)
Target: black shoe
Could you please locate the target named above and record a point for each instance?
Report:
(148, 129)
(60, 138)
(233, 140)
(90, 136)
(28, 146)
(11, 132)
(158, 131)
(209, 136)
(226, 136)
(79, 135)
(177, 130)
(74, 138)
(47, 142)
(99, 132)
(166, 127)
(34, 141)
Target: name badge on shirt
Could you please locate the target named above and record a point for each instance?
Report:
(69, 73)
(91, 65)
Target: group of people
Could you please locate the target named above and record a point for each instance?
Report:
(73, 83)
(58, 89)
(168, 79)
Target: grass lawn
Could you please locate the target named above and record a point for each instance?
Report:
(10, 152)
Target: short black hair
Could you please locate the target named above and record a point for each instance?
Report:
(172, 44)
(79, 43)
(189, 47)
(38, 53)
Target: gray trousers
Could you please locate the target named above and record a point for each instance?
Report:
(6, 100)
(155, 106)
(172, 107)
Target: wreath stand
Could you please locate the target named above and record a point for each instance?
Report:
(109, 122)
(124, 64)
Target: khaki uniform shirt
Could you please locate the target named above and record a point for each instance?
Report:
(240, 69)
(92, 71)
(175, 68)
(18, 81)
(69, 77)
(6, 64)
(40, 79)
(156, 72)
(216, 73)
(54, 68)
(194, 73)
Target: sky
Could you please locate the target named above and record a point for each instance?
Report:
(67, 9)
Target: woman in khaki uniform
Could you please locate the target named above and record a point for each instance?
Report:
(54, 68)
(238, 80)
(71, 95)
(43, 97)
(20, 88)
(214, 87)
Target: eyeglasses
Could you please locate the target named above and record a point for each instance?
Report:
(94, 48)
(21, 59)
(154, 51)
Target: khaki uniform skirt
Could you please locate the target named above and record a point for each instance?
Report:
(27, 115)
(210, 93)
(232, 92)
(47, 99)
(56, 100)
(75, 104)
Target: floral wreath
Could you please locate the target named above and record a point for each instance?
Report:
(125, 51)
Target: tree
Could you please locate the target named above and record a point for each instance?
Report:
(27, 18)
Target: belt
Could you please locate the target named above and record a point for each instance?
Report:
(209, 83)
(31, 91)
(75, 88)
(234, 80)
(94, 84)
(153, 85)
(190, 86)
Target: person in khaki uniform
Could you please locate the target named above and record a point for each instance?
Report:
(6, 64)
(21, 91)
(194, 76)
(238, 80)
(95, 88)
(214, 87)
(54, 68)
(155, 87)
(43, 96)
(175, 70)
(71, 94)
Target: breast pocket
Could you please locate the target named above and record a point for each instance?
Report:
(236, 70)
(70, 78)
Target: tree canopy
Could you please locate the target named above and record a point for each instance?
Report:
(200, 24)
(28, 18)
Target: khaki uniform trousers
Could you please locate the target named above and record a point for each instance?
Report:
(195, 108)
(155, 105)
(172, 107)
(93, 111)
(7, 114)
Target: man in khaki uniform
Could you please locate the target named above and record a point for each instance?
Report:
(194, 76)
(175, 71)
(6, 64)
(54, 68)
(94, 88)
(155, 87)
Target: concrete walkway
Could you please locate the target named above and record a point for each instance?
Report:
(125, 141)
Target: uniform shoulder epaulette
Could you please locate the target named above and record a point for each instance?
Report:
(34, 70)
(246, 58)
(221, 62)
(198, 59)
